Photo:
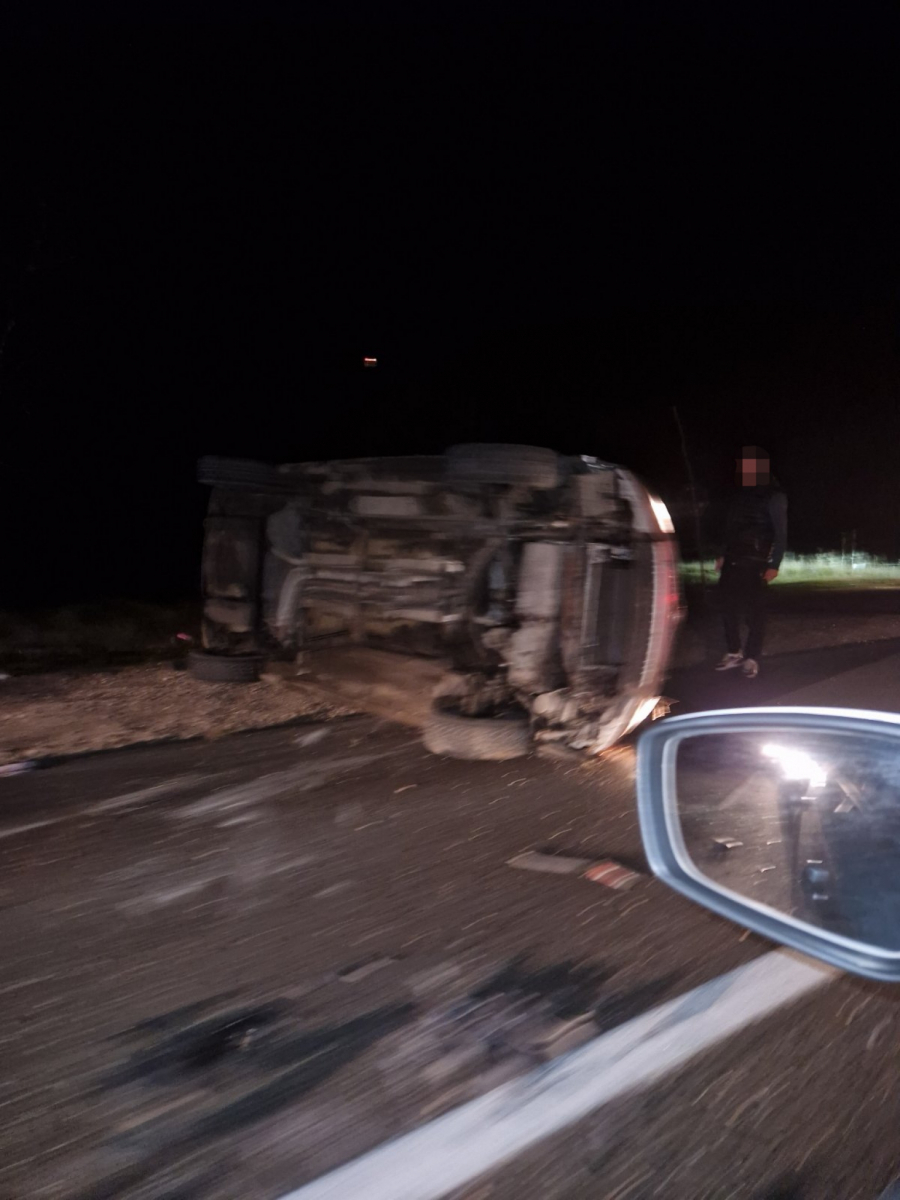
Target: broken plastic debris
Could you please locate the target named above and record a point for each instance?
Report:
(608, 872)
(567, 1033)
(612, 875)
(727, 843)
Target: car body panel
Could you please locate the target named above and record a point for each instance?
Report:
(545, 582)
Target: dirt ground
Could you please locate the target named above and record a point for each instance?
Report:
(72, 712)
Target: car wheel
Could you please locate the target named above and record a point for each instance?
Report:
(224, 668)
(523, 466)
(477, 738)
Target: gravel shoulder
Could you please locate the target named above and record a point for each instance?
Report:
(74, 712)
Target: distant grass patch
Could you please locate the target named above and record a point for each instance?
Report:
(106, 633)
(819, 570)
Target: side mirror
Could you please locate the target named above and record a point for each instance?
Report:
(785, 820)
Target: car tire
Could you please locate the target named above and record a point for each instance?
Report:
(224, 668)
(523, 466)
(238, 474)
(477, 739)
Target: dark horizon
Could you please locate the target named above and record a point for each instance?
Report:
(548, 231)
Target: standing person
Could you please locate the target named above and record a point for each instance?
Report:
(751, 552)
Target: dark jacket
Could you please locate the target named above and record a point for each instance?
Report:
(755, 528)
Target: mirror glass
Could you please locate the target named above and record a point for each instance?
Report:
(805, 823)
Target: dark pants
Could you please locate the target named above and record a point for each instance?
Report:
(742, 591)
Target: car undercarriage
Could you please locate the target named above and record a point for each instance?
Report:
(544, 584)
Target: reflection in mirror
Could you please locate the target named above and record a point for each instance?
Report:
(806, 823)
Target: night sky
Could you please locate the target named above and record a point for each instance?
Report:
(549, 227)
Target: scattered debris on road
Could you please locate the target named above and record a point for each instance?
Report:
(727, 843)
(609, 873)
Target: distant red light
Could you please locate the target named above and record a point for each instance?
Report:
(370, 362)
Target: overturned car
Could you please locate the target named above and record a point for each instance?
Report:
(542, 587)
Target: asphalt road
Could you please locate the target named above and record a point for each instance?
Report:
(229, 967)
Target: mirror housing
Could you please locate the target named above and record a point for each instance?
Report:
(664, 843)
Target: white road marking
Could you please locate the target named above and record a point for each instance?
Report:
(24, 983)
(12, 830)
(480, 1136)
(304, 777)
(241, 795)
(135, 799)
(128, 800)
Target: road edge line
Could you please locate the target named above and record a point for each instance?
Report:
(478, 1137)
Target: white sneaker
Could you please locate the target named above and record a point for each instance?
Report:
(751, 668)
(729, 662)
